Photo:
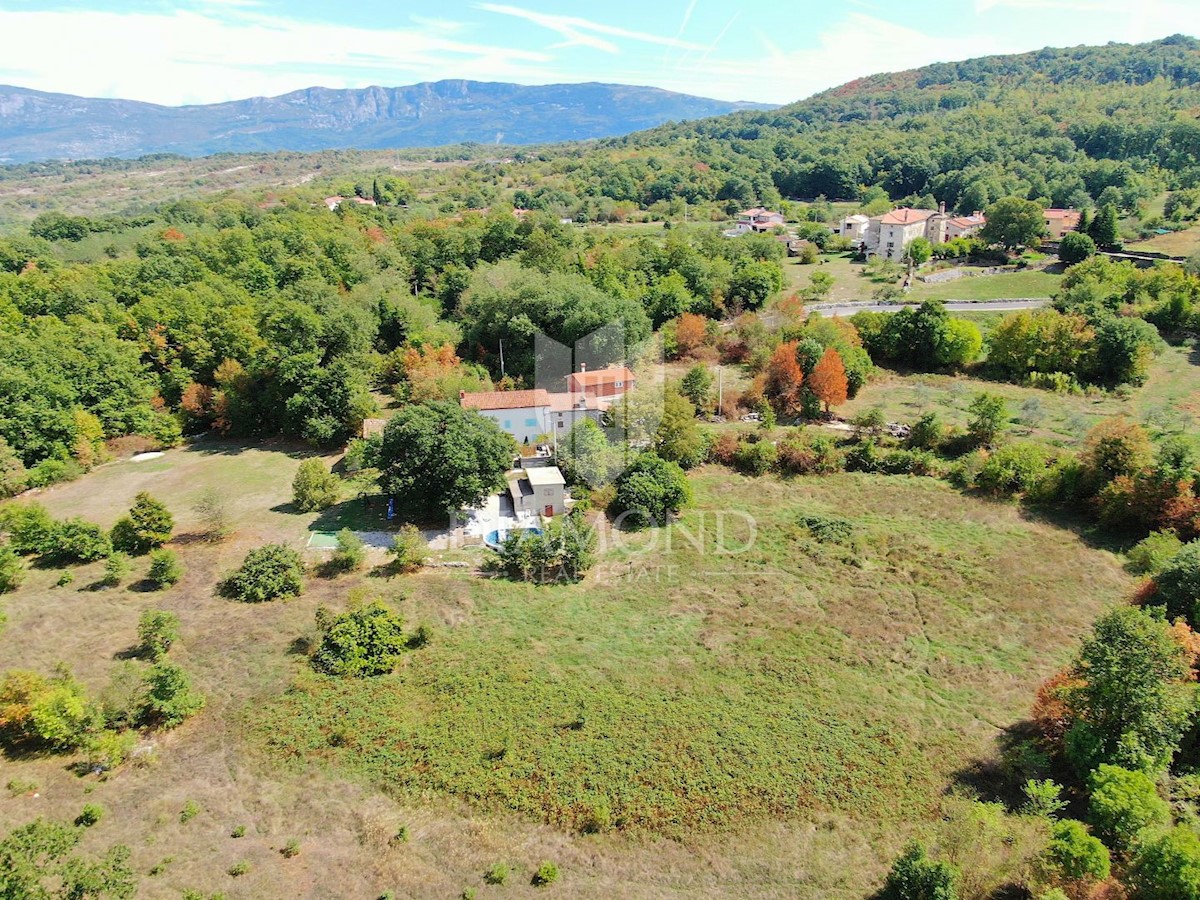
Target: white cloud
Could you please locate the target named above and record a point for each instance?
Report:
(203, 57)
(577, 32)
(1104, 20)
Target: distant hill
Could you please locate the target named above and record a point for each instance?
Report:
(35, 125)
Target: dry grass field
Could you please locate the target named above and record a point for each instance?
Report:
(766, 723)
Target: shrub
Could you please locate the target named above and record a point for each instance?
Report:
(65, 577)
(1122, 803)
(190, 810)
(75, 540)
(800, 455)
(45, 713)
(1179, 584)
(1075, 248)
(914, 876)
(165, 568)
(1166, 864)
(169, 697)
(497, 874)
(926, 433)
(989, 415)
(238, 869)
(238, 832)
(1043, 798)
(291, 849)
(1152, 553)
(1075, 854)
(350, 554)
(12, 570)
(1012, 469)
(547, 873)
(116, 567)
(365, 641)
(148, 525)
(38, 861)
(649, 491)
(91, 814)
(267, 573)
(30, 528)
(828, 529)
(409, 551)
(108, 749)
(755, 458)
(157, 630)
(908, 462)
(723, 448)
(314, 487)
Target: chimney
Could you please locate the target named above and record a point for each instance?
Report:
(583, 367)
(462, 395)
(942, 207)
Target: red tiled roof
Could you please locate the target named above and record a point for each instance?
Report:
(563, 402)
(602, 376)
(907, 216)
(505, 399)
(1061, 213)
(968, 221)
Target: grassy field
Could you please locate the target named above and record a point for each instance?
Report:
(1176, 243)
(1169, 402)
(762, 722)
(850, 284)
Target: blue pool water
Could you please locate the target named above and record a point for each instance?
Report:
(498, 536)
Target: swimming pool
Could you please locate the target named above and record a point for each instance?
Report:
(498, 536)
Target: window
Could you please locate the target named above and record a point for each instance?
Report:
(531, 423)
(620, 384)
(560, 423)
(508, 424)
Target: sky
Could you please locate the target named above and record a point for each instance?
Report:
(771, 51)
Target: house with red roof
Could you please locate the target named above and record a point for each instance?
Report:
(532, 415)
(1060, 221)
(604, 385)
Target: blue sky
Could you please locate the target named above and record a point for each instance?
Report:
(767, 50)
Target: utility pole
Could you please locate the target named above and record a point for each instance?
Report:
(501, 359)
(720, 391)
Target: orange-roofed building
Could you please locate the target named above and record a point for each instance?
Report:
(603, 385)
(530, 415)
(1060, 221)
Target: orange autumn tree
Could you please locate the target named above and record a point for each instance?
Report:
(828, 381)
(784, 380)
(691, 333)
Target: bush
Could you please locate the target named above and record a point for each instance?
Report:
(914, 876)
(1075, 248)
(1012, 469)
(497, 874)
(350, 554)
(1166, 865)
(91, 814)
(165, 568)
(148, 525)
(409, 551)
(190, 810)
(157, 630)
(547, 873)
(65, 577)
(755, 458)
(800, 455)
(116, 567)
(291, 849)
(908, 462)
(238, 869)
(169, 697)
(45, 713)
(989, 415)
(1179, 584)
(649, 491)
(1075, 854)
(314, 487)
(30, 528)
(926, 433)
(1150, 555)
(75, 540)
(267, 573)
(827, 529)
(1122, 803)
(12, 570)
(238, 832)
(108, 749)
(365, 641)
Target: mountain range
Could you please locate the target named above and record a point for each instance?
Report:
(35, 125)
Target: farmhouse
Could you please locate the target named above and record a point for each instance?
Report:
(890, 234)
(529, 415)
(1060, 221)
(602, 385)
(853, 228)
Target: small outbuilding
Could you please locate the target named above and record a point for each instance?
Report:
(538, 491)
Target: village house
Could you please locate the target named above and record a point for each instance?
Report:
(603, 385)
(1060, 221)
(756, 221)
(890, 234)
(530, 415)
(853, 228)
